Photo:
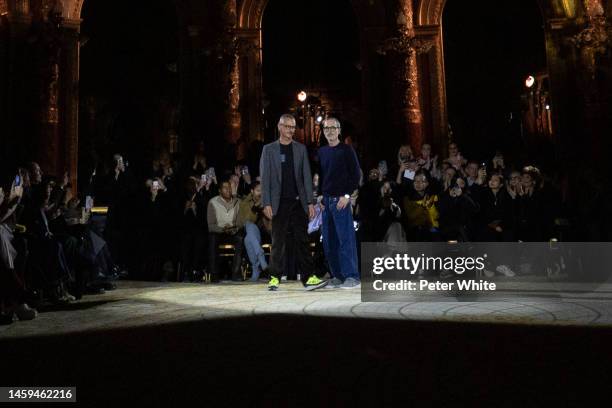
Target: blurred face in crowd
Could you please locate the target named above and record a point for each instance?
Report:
(373, 175)
(527, 181)
(405, 154)
(460, 183)
(515, 179)
(453, 150)
(386, 189)
(36, 174)
(1, 195)
(471, 170)
(331, 129)
(495, 182)
(164, 159)
(450, 173)
(120, 164)
(257, 192)
(426, 151)
(226, 190)
(420, 183)
(315, 180)
(286, 128)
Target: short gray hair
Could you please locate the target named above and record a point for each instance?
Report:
(331, 118)
(285, 117)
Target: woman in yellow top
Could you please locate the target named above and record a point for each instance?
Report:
(420, 211)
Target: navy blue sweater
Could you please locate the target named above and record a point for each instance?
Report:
(340, 172)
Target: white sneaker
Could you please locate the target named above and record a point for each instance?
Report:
(351, 283)
(488, 273)
(506, 271)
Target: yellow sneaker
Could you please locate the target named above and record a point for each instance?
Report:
(273, 284)
(315, 283)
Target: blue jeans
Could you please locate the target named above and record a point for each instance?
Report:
(339, 242)
(252, 242)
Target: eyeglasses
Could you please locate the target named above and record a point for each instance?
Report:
(289, 127)
(331, 128)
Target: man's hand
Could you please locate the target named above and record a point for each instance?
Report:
(268, 211)
(311, 212)
(342, 203)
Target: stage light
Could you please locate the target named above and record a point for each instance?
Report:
(319, 119)
(547, 107)
(302, 96)
(530, 81)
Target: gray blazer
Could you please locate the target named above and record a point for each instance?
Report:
(271, 175)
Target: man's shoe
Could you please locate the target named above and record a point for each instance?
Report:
(488, 273)
(24, 312)
(273, 284)
(334, 283)
(314, 283)
(351, 283)
(506, 271)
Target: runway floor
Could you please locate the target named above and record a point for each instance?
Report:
(236, 344)
(136, 304)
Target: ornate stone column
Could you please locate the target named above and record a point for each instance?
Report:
(70, 97)
(249, 54)
(405, 46)
(229, 43)
(50, 151)
(592, 43)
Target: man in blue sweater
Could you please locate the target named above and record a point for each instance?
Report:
(340, 175)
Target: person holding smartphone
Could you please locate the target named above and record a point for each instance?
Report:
(457, 209)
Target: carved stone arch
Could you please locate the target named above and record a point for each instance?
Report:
(430, 12)
(369, 17)
(250, 14)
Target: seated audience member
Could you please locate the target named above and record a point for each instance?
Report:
(241, 181)
(420, 211)
(448, 175)
(476, 178)
(47, 260)
(222, 215)
(12, 277)
(155, 232)
(530, 209)
(455, 159)
(256, 225)
(426, 162)
(407, 167)
(92, 253)
(495, 223)
(195, 228)
(378, 213)
(457, 210)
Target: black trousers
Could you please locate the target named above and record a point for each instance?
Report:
(291, 222)
(214, 240)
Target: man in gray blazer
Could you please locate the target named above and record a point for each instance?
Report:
(286, 186)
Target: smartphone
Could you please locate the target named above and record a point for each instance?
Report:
(245, 170)
(17, 180)
(204, 178)
(156, 184)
